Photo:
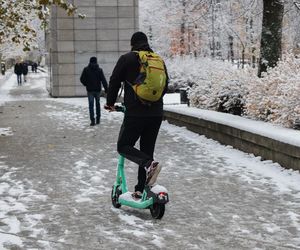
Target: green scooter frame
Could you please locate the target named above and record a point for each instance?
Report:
(153, 198)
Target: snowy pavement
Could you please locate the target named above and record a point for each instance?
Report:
(56, 174)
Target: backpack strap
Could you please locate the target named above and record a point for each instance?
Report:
(122, 88)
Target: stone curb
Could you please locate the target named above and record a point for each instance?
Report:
(288, 156)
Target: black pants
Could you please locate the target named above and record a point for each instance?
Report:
(143, 128)
(94, 96)
(19, 78)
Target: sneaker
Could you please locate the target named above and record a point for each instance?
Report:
(152, 173)
(136, 195)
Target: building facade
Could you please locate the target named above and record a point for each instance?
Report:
(105, 32)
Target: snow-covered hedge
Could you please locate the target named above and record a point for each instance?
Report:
(213, 84)
(276, 97)
(218, 85)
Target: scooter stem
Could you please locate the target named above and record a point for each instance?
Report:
(121, 178)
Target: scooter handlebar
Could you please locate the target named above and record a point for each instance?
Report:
(117, 108)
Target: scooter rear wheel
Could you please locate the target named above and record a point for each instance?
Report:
(115, 198)
(157, 211)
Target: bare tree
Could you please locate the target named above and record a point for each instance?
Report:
(223, 29)
(270, 50)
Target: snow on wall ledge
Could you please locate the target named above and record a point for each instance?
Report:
(271, 142)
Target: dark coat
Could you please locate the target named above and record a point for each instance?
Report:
(24, 69)
(92, 78)
(127, 70)
(18, 69)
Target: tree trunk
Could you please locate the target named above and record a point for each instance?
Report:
(270, 47)
(243, 58)
(182, 33)
(150, 34)
(183, 30)
(231, 52)
(253, 57)
(213, 48)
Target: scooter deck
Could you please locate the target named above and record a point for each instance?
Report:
(127, 200)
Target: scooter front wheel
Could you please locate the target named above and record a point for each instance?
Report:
(115, 198)
(157, 210)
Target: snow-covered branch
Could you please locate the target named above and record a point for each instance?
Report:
(297, 4)
(16, 17)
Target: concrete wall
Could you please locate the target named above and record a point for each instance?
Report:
(288, 156)
(104, 33)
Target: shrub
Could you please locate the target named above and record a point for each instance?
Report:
(220, 86)
(275, 97)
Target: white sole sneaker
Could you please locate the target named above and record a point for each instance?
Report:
(153, 177)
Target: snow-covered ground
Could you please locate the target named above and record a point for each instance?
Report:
(220, 198)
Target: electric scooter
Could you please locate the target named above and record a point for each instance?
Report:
(153, 197)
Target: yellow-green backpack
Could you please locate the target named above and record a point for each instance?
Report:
(152, 77)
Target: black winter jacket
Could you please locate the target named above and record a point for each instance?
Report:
(18, 69)
(92, 77)
(126, 71)
(24, 69)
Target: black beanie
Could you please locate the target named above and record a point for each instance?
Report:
(138, 38)
(93, 59)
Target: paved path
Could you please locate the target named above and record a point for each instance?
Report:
(56, 175)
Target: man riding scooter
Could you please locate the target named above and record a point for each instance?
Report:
(142, 119)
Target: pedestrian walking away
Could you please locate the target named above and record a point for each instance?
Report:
(25, 70)
(18, 69)
(142, 119)
(34, 65)
(3, 68)
(93, 79)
